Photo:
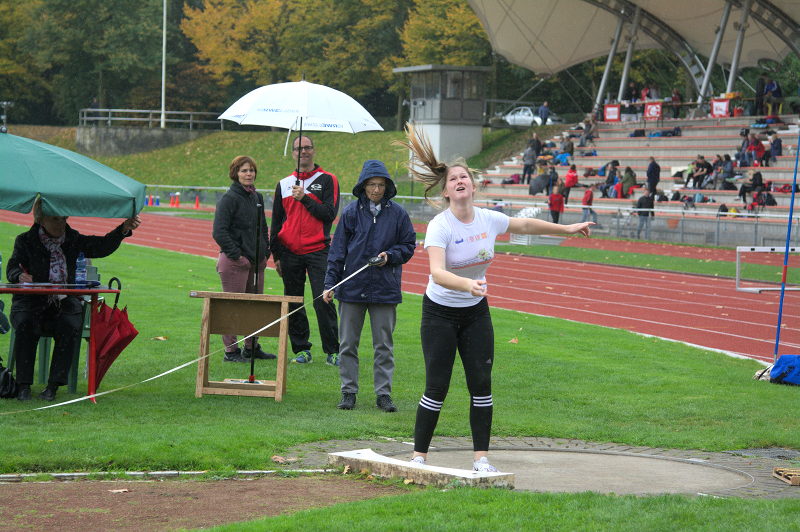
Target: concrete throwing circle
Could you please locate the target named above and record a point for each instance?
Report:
(572, 471)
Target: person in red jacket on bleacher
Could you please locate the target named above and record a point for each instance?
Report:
(556, 204)
(570, 180)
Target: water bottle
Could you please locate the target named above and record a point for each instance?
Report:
(80, 270)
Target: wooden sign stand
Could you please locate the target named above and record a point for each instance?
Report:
(241, 314)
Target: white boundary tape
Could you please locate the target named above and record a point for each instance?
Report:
(191, 362)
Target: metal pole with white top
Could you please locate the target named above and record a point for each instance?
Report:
(164, 67)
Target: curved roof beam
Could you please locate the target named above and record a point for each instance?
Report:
(772, 17)
(660, 32)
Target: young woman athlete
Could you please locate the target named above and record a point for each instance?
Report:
(455, 313)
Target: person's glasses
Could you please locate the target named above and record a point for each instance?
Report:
(375, 185)
(303, 148)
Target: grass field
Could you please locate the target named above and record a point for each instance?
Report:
(204, 161)
(560, 379)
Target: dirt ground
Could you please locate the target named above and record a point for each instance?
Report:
(171, 504)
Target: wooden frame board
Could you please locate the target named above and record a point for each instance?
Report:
(241, 314)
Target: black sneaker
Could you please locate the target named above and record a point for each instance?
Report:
(257, 353)
(384, 402)
(234, 356)
(24, 393)
(49, 393)
(348, 401)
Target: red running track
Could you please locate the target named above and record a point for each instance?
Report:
(703, 311)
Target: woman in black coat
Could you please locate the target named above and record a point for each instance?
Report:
(240, 230)
(47, 252)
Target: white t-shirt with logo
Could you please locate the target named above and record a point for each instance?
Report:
(469, 249)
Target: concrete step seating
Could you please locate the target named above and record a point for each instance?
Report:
(693, 129)
(705, 136)
(729, 197)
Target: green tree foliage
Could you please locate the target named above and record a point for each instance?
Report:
(339, 43)
(445, 32)
(20, 81)
(90, 48)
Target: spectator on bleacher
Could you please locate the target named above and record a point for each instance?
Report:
(541, 181)
(544, 113)
(773, 97)
(628, 181)
(644, 209)
(552, 176)
(645, 93)
(702, 171)
(528, 163)
(761, 84)
(630, 94)
(611, 179)
(676, 98)
(740, 153)
(588, 200)
(775, 149)
(752, 183)
(556, 204)
(629, 97)
(653, 92)
(570, 180)
(725, 173)
(567, 146)
(536, 144)
(589, 131)
(754, 151)
(653, 175)
(716, 169)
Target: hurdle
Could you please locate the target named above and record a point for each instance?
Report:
(760, 249)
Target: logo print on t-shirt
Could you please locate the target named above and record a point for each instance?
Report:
(459, 241)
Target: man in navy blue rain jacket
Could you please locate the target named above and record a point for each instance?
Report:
(371, 226)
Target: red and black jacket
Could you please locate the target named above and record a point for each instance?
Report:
(304, 226)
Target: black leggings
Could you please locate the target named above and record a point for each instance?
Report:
(443, 330)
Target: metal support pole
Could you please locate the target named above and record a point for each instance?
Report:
(737, 51)
(629, 54)
(164, 68)
(611, 53)
(723, 23)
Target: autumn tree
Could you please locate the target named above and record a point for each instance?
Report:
(343, 44)
(20, 80)
(99, 48)
(445, 32)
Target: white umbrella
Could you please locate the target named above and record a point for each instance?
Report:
(301, 105)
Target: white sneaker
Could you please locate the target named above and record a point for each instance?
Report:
(418, 460)
(483, 466)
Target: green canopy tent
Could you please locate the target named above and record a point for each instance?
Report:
(69, 184)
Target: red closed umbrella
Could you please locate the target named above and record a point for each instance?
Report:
(113, 332)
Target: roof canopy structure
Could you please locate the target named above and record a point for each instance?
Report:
(548, 36)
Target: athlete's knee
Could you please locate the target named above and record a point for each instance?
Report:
(482, 401)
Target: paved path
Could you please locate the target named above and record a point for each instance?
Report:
(549, 465)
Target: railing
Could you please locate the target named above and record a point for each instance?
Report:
(691, 226)
(140, 117)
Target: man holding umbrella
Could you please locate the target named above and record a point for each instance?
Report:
(305, 204)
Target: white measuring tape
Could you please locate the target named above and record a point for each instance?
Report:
(198, 359)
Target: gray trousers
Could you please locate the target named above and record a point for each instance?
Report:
(382, 319)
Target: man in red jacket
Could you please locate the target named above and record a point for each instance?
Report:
(304, 206)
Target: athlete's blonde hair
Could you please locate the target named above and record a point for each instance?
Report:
(425, 168)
